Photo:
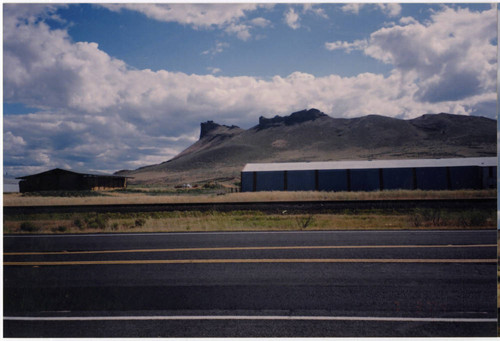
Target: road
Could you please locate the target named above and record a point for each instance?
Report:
(255, 284)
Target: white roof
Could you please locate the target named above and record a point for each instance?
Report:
(409, 163)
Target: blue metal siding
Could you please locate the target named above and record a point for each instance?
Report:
(332, 180)
(301, 181)
(270, 181)
(247, 181)
(398, 178)
(489, 177)
(365, 180)
(465, 177)
(432, 178)
(370, 179)
(492, 183)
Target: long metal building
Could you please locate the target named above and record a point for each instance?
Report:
(425, 174)
(60, 179)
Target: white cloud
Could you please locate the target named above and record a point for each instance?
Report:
(352, 8)
(316, 10)
(214, 70)
(196, 15)
(260, 22)
(218, 48)
(407, 21)
(242, 31)
(292, 19)
(389, 9)
(450, 57)
(227, 17)
(348, 47)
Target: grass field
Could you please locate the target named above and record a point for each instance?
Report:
(181, 221)
(237, 220)
(138, 195)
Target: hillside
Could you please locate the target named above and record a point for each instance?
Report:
(310, 135)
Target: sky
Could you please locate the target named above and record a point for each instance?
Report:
(100, 88)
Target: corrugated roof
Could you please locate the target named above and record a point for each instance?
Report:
(408, 163)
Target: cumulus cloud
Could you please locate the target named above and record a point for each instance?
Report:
(451, 57)
(346, 46)
(310, 8)
(218, 48)
(389, 9)
(352, 8)
(292, 19)
(96, 111)
(231, 18)
(242, 31)
(196, 15)
(214, 70)
(260, 22)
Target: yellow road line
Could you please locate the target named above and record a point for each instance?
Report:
(217, 261)
(248, 249)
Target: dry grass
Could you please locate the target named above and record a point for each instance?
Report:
(229, 221)
(145, 196)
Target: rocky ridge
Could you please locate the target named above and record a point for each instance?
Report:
(311, 135)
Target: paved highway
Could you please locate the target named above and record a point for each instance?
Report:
(308, 284)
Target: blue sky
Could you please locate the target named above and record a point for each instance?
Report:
(108, 87)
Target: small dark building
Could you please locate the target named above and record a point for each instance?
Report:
(64, 180)
(424, 174)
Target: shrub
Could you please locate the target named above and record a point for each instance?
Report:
(28, 226)
(59, 229)
(305, 221)
(97, 221)
(473, 218)
(140, 222)
(78, 223)
(212, 185)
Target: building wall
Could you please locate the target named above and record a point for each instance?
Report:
(432, 178)
(365, 180)
(333, 180)
(424, 178)
(69, 181)
(466, 177)
(301, 180)
(247, 182)
(270, 181)
(51, 182)
(102, 183)
(398, 178)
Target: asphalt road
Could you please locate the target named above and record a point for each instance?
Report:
(307, 284)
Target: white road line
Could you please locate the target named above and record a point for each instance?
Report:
(247, 317)
(238, 232)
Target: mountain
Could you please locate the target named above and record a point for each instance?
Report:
(310, 135)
